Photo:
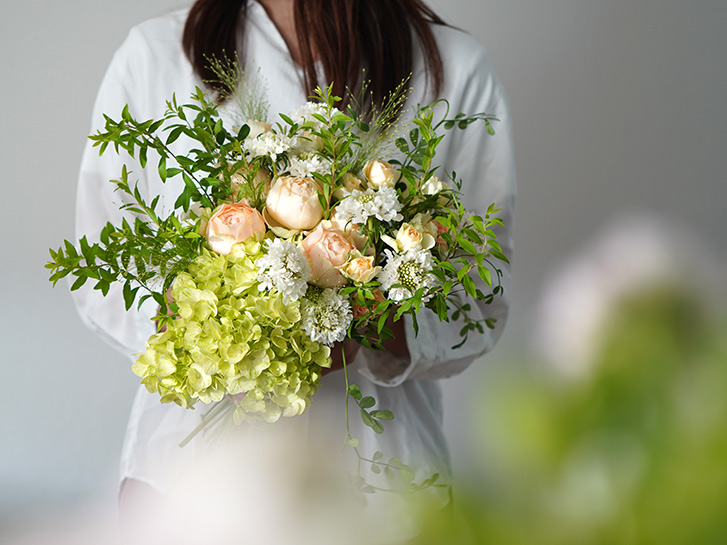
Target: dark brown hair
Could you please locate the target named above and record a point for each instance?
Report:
(344, 35)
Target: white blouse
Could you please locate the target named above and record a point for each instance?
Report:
(145, 72)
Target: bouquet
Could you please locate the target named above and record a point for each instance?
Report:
(284, 241)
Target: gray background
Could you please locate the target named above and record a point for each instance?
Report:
(619, 106)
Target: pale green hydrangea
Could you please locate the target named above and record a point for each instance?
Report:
(229, 339)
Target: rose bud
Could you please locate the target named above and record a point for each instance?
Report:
(233, 223)
(433, 186)
(293, 203)
(380, 174)
(257, 128)
(327, 248)
(350, 182)
(409, 238)
(360, 268)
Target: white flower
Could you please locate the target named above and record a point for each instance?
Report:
(410, 236)
(285, 269)
(408, 270)
(270, 144)
(304, 165)
(433, 186)
(257, 128)
(358, 206)
(326, 315)
(304, 114)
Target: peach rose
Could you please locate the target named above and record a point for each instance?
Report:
(293, 203)
(233, 223)
(380, 174)
(327, 248)
(360, 268)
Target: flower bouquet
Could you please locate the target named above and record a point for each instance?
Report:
(283, 242)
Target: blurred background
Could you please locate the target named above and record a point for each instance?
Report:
(601, 415)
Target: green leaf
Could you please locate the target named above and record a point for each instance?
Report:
(500, 256)
(162, 168)
(485, 274)
(80, 281)
(469, 287)
(371, 422)
(367, 402)
(382, 415)
(402, 145)
(354, 391)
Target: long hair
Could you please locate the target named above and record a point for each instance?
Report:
(345, 36)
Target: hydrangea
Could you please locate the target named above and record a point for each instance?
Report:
(326, 315)
(284, 269)
(357, 206)
(405, 273)
(230, 338)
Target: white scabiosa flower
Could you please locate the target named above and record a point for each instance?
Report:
(358, 206)
(284, 268)
(326, 315)
(405, 273)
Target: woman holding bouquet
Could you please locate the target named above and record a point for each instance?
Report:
(391, 40)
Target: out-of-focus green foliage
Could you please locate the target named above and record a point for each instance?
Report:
(636, 453)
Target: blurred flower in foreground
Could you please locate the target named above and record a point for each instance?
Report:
(631, 255)
(635, 450)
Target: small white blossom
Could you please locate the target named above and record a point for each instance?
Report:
(284, 268)
(326, 315)
(270, 144)
(304, 114)
(409, 270)
(305, 165)
(358, 206)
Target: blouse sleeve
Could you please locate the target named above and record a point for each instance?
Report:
(97, 203)
(486, 166)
